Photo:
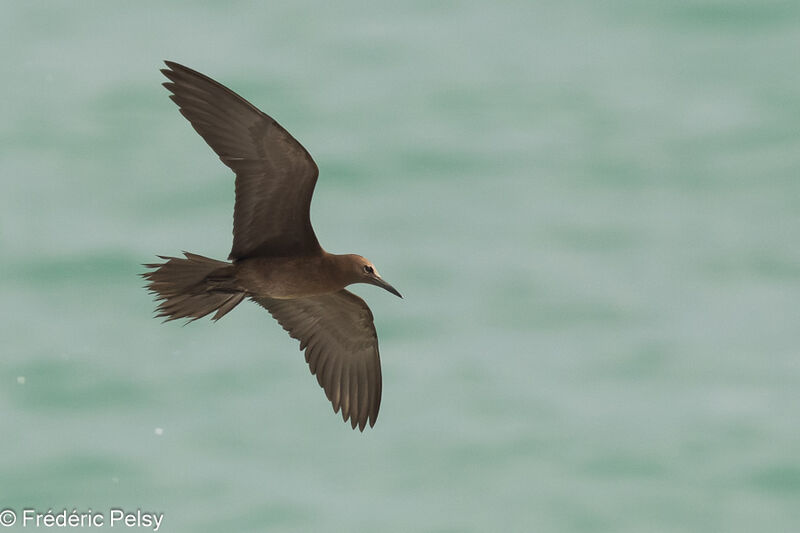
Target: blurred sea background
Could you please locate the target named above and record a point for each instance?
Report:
(591, 208)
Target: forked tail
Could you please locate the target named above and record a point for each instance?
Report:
(193, 287)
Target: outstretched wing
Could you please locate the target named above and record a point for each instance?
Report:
(275, 175)
(341, 348)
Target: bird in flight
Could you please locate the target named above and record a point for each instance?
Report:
(276, 260)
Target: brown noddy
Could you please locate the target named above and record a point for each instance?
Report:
(276, 260)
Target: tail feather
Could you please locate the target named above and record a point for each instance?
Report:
(192, 287)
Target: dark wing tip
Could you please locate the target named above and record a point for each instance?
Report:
(175, 69)
(174, 66)
(177, 72)
(359, 422)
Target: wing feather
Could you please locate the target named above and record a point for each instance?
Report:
(341, 348)
(275, 175)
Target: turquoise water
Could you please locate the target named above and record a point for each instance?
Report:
(591, 208)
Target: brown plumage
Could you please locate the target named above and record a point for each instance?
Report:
(276, 259)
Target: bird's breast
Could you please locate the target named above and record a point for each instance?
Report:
(287, 277)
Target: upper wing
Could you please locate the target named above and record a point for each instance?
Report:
(275, 176)
(341, 348)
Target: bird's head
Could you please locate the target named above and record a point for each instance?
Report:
(363, 271)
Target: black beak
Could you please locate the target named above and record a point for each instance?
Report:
(377, 280)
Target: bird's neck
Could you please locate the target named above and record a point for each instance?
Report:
(341, 268)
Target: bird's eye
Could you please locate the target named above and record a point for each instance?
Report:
(368, 269)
